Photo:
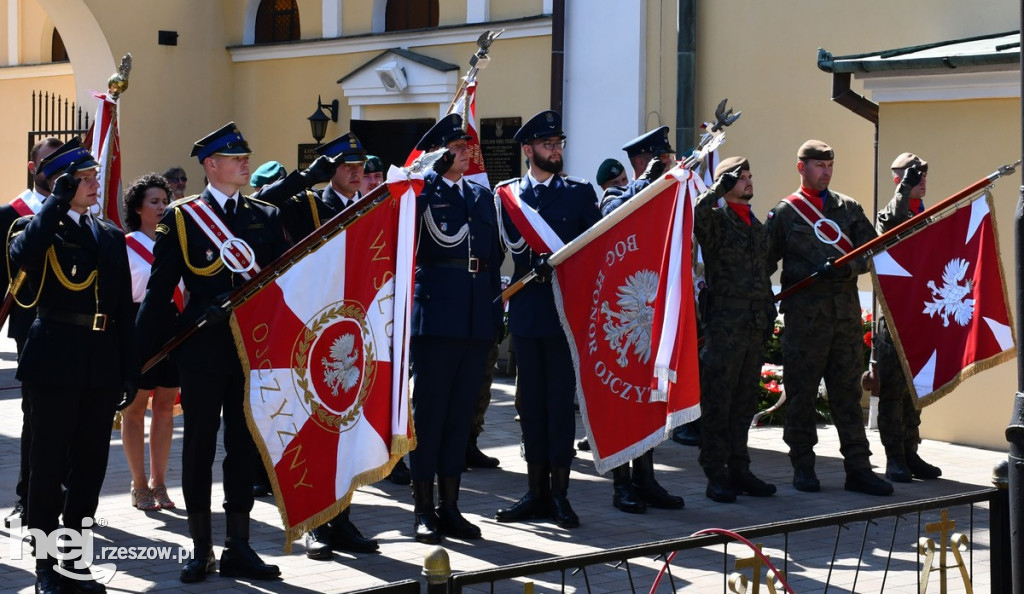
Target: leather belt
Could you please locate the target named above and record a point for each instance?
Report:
(97, 321)
(467, 264)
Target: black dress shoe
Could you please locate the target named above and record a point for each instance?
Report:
(583, 445)
(748, 483)
(425, 526)
(896, 471)
(201, 564)
(48, 581)
(530, 507)
(318, 543)
(562, 513)
(239, 560)
(451, 523)
(921, 469)
(626, 500)
(865, 481)
(260, 490)
(17, 514)
(400, 473)
(805, 480)
(346, 537)
(84, 585)
(719, 490)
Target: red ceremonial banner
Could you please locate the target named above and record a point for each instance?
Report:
(944, 296)
(477, 170)
(627, 309)
(104, 141)
(323, 348)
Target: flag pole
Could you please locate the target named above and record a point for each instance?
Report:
(898, 233)
(329, 229)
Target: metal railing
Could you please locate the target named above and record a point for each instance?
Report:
(865, 542)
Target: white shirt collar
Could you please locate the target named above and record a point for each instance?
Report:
(457, 182)
(534, 183)
(221, 197)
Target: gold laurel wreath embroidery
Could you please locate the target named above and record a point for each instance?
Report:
(322, 415)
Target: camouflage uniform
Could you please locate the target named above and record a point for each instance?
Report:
(740, 309)
(898, 418)
(824, 335)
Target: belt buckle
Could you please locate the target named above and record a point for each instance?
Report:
(99, 322)
(473, 265)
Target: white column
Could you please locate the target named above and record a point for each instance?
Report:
(332, 18)
(479, 11)
(378, 17)
(357, 112)
(548, 7)
(13, 29)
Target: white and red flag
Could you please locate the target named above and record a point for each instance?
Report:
(325, 353)
(944, 297)
(105, 145)
(626, 304)
(477, 171)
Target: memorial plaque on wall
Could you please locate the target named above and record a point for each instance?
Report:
(502, 155)
(307, 154)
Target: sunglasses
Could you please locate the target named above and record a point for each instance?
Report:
(178, 180)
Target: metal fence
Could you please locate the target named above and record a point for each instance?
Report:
(53, 115)
(935, 544)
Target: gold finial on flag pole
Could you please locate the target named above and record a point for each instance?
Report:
(118, 82)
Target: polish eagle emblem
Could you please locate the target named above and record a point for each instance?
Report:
(341, 369)
(630, 326)
(952, 298)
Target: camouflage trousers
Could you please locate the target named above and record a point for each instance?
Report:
(730, 368)
(485, 392)
(824, 339)
(898, 419)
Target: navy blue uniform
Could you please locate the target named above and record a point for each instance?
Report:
(84, 328)
(454, 319)
(208, 365)
(303, 211)
(546, 381)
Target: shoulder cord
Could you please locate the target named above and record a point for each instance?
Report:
(313, 209)
(517, 247)
(439, 236)
(212, 269)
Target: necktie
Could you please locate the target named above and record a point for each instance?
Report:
(540, 190)
(86, 225)
(229, 210)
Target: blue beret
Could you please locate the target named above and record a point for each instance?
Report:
(447, 129)
(543, 125)
(70, 154)
(655, 141)
(345, 148)
(224, 141)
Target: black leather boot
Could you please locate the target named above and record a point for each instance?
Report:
(477, 459)
(238, 558)
(535, 504)
(648, 488)
(623, 496)
(450, 521)
(561, 511)
(202, 561)
(345, 536)
(425, 516)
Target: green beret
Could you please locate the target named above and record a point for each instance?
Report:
(907, 159)
(815, 149)
(267, 173)
(609, 169)
(730, 164)
(373, 164)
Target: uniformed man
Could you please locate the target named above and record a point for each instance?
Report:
(26, 203)
(611, 173)
(373, 173)
(634, 494)
(79, 277)
(454, 321)
(824, 337)
(740, 311)
(210, 371)
(546, 381)
(898, 418)
(302, 213)
(177, 179)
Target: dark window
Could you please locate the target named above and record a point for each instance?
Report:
(410, 14)
(57, 51)
(277, 20)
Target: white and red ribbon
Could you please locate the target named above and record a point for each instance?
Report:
(541, 238)
(219, 234)
(810, 213)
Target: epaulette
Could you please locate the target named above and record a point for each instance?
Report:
(575, 180)
(475, 183)
(181, 201)
(506, 182)
(258, 201)
(162, 229)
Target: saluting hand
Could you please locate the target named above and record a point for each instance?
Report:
(320, 170)
(911, 177)
(65, 188)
